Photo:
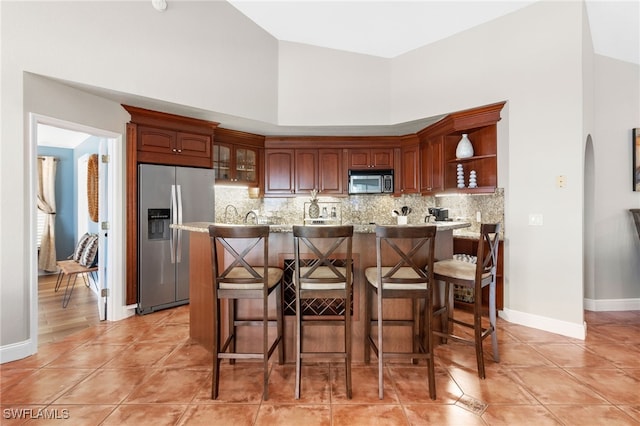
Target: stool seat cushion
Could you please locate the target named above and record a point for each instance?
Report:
(457, 269)
(274, 276)
(403, 273)
(323, 272)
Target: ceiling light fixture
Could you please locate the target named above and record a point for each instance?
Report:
(159, 5)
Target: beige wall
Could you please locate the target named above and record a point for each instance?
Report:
(617, 248)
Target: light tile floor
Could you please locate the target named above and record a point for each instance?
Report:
(144, 370)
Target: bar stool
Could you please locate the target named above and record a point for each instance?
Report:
(403, 271)
(240, 280)
(475, 276)
(317, 277)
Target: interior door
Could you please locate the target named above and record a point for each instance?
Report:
(103, 223)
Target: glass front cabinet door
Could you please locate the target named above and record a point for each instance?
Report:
(235, 164)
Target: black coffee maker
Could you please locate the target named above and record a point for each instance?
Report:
(440, 214)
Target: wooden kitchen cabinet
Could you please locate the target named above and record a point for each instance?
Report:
(373, 158)
(279, 167)
(438, 144)
(236, 157)
(432, 178)
(408, 180)
(165, 146)
(306, 170)
(319, 169)
(331, 178)
(484, 160)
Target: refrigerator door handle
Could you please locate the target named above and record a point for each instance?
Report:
(172, 235)
(179, 247)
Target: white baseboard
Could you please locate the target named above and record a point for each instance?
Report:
(569, 329)
(16, 351)
(600, 305)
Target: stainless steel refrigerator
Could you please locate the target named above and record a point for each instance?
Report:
(168, 195)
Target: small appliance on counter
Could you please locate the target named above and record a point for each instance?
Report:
(441, 214)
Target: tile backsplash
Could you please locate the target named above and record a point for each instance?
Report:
(233, 204)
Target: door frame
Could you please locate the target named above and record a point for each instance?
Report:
(114, 267)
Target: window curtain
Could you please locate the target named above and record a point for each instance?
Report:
(47, 204)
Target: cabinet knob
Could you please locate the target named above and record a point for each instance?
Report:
(174, 150)
(179, 150)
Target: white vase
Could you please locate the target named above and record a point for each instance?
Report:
(464, 148)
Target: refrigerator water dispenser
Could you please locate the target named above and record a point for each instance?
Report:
(158, 226)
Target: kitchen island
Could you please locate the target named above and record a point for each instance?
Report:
(281, 255)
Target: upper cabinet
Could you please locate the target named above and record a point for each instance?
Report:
(407, 179)
(237, 157)
(373, 158)
(171, 139)
(300, 170)
(432, 179)
(438, 144)
(279, 172)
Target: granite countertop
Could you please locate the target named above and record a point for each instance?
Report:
(360, 229)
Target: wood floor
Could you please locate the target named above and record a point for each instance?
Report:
(56, 322)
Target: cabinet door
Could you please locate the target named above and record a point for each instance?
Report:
(330, 176)
(381, 158)
(151, 139)
(359, 158)
(409, 182)
(432, 176)
(193, 145)
(222, 162)
(306, 169)
(246, 165)
(279, 171)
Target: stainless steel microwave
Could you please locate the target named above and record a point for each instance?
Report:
(370, 181)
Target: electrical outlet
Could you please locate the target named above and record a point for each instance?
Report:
(478, 217)
(535, 219)
(561, 181)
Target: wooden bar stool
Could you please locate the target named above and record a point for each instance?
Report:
(403, 271)
(475, 276)
(241, 280)
(317, 277)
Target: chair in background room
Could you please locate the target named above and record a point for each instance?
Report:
(476, 276)
(244, 245)
(316, 276)
(83, 262)
(636, 219)
(404, 270)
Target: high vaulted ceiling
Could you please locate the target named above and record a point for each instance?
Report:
(390, 28)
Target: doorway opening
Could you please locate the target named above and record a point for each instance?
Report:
(75, 143)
